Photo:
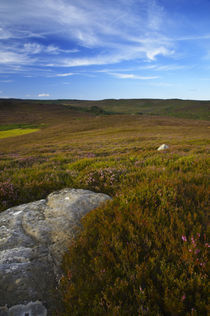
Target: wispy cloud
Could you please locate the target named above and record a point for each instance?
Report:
(87, 61)
(166, 67)
(43, 95)
(118, 31)
(68, 74)
(12, 58)
(6, 81)
(192, 38)
(35, 48)
(153, 52)
(111, 26)
(119, 54)
(32, 48)
(132, 76)
(124, 39)
(4, 34)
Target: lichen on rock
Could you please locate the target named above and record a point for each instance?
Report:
(33, 239)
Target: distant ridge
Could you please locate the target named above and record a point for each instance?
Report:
(189, 109)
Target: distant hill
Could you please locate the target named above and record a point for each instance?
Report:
(171, 107)
(45, 110)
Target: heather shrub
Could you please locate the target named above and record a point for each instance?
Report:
(81, 164)
(145, 253)
(93, 163)
(8, 194)
(32, 184)
(190, 163)
(104, 180)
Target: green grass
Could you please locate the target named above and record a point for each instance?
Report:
(17, 132)
(144, 252)
(8, 127)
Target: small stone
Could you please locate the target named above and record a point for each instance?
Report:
(163, 147)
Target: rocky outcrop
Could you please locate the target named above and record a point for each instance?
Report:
(30, 309)
(33, 238)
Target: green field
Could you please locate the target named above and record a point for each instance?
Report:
(145, 252)
(17, 132)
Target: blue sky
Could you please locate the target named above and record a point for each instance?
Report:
(97, 49)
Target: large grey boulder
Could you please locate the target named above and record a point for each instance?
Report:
(33, 238)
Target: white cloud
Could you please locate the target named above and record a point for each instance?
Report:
(51, 49)
(65, 74)
(32, 48)
(170, 67)
(22, 34)
(4, 34)
(11, 58)
(88, 61)
(16, 57)
(164, 67)
(111, 32)
(193, 38)
(152, 53)
(128, 29)
(132, 76)
(119, 54)
(43, 95)
(35, 48)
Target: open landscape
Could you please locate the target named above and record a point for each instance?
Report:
(104, 157)
(145, 251)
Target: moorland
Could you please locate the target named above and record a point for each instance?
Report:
(145, 252)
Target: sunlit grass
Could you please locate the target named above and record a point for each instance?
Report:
(17, 132)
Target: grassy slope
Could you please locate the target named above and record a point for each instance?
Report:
(17, 132)
(134, 245)
(173, 107)
(178, 108)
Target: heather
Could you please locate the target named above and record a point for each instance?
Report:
(143, 253)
